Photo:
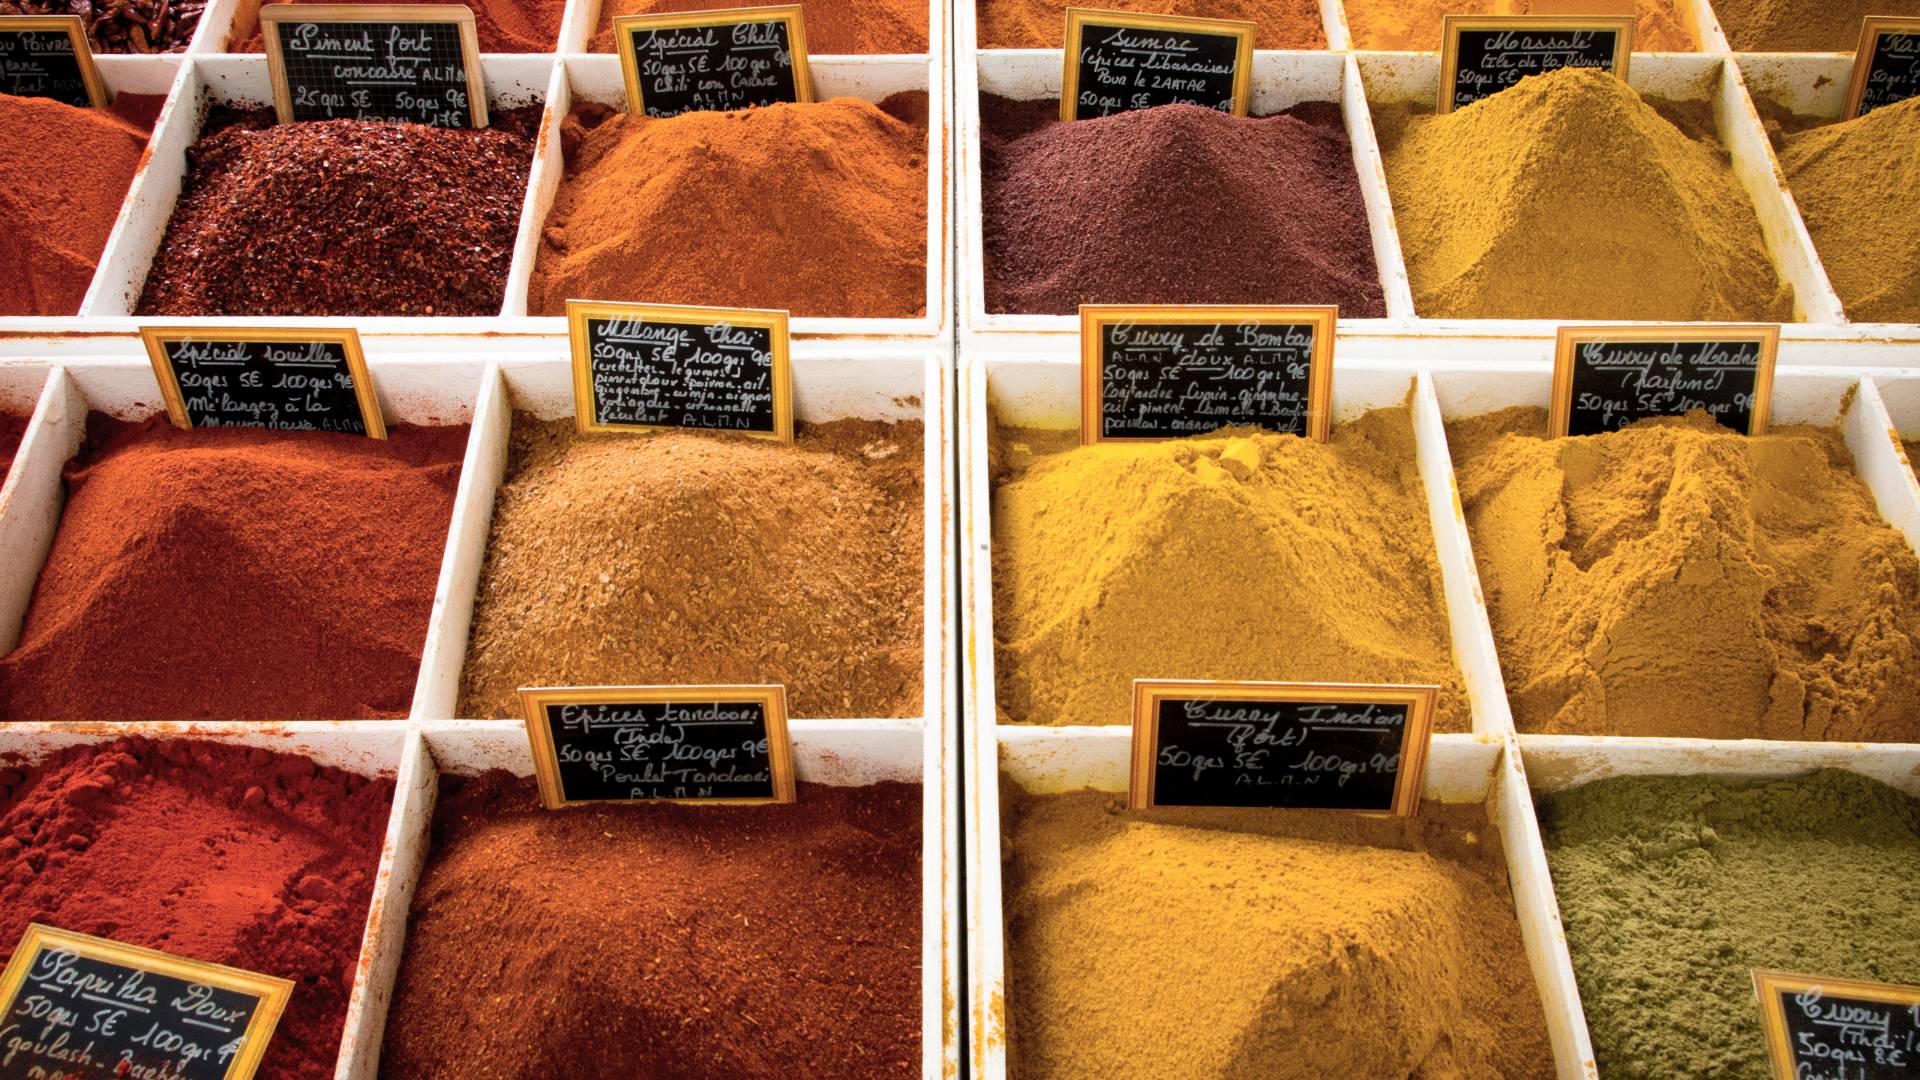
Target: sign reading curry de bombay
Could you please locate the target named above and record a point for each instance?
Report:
(1606, 377)
(1167, 372)
(1886, 65)
(1320, 746)
(718, 744)
(84, 1008)
(1117, 61)
(650, 366)
(715, 61)
(1839, 1029)
(1483, 55)
(284, 380)
(414, 62)
(48, 56)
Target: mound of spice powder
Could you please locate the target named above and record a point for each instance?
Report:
(1568, 196)
(678, 557)
(124, 26)
(658, 942)
(817, 209)
(1238, 555)
(63, 173)
(343, 217)
(220, 853)
(1854, 183)
(1802, 25)
(833, 26)
(1172, 205)
(503, 26)
(237, 574)
(1678, 578)
(1288, 945)
(1042, 24)
(1414, 25)
(1672, 889)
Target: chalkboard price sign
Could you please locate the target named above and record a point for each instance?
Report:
(1117, 61)
(283, 380)
(1166, 372)
(418, 63)
(48, 56)
(1839, 1029)
(1483, 55)
(1606, 377)
(707, 744)
(1317, 746)
(639, 366)
(713, 61)
(87, 1008)
(1886, 65)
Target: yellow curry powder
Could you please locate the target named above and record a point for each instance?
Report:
(1414, 25)
(1238, 555)
(1262, 945)
(1855, 184)
(1568, 196)
(1677, 578)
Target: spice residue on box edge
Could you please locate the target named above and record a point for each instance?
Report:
(1854, 184)
(832, 26)
(1041, 24)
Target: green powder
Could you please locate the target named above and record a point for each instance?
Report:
(1673, 889)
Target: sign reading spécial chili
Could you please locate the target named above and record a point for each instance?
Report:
(639, 366)
(1886, 65)
(713, 61)
(1117, 61)
(418, 63)
(1483, 55)
(49, 56)
(1606, 377)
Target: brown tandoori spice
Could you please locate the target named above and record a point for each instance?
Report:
(1414, 25)
(1677, 578)
(833, 26)
(1041, 24)
(1854, 183)
(1284, 945)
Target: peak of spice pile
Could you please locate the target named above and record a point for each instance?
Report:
(503, 26)
(679, 557)
(659, 942)
(1569, 196)
(1239, 555)
(1677, 578)
(833, 26)
(1673, 889)
(64, 172)
(216, 852)
(1041, 24)
(1286, 945)
(124, 26)
(343, 217)
(236, 574)
(818, 209)
(1172, 205)
(1802, 25)
(1414, 25)
(1854, 183)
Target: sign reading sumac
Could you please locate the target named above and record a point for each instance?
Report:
(713, 61)
(1886, 65)
(1483, 55)
(48, 56)
(721, 744)
(638, 366)
(283, 380)
(1839, 1029)
(1117, 61)
(1167, 372)
(1324, 746)
(84, 1007)
(418, 63)
(1607, 377)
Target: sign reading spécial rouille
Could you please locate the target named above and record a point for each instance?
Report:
(1839, 1029)
(1168, 372)
(48, 56)
(1117, 61)
(280, 379)
(638, 366)
(717, 744)
(414, 62)
(86, 1008)
(1606, 377)
(1319, 746)
(1482, 55)
(1886, 65)
(713, 61)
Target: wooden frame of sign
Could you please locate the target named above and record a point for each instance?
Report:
(586, 410)
(1421, 703)
(1863, 55)
(271, 993)
(1094, 317)
(1079, 18)
(76, 30)
(626, 26)
(273, 14)
(1570, 338)
(157, 338)
(772, 700)
(1770, 985)
(1453, 25)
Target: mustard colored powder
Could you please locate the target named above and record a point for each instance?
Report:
(1855, 184)
(1802, 25)
(1414, 25)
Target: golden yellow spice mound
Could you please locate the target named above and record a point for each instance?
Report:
(1238, 555)
(1278, 945)
(1414, 25)
(1677, 578)
(1567, 196)
(1855, 183)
